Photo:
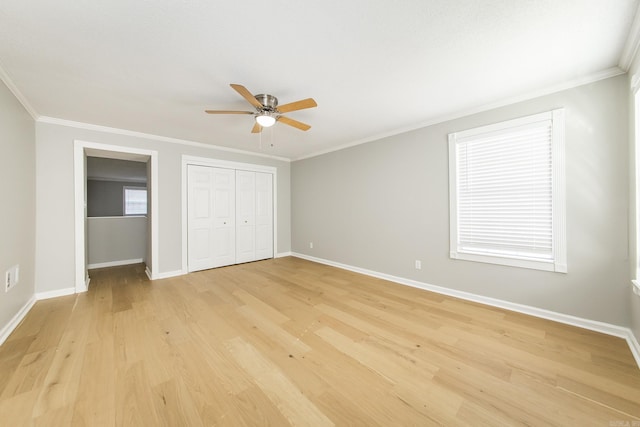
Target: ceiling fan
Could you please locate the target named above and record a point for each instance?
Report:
(267, 110)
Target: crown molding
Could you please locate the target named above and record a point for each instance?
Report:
(125, 132)
(16, 92)
(632, 43)
(601, 75)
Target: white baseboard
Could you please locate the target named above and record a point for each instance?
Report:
(15, 320)
(54, 294)
(634, 346)
(593, 325)
(283, 254)
(115, 263)
(164, 275)
(83, 286)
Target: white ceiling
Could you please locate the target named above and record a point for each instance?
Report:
(375, 67)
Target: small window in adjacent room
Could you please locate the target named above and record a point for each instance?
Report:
(135, 201)
(507, 193)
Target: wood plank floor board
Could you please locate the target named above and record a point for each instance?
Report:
(291, 342)
(30, 374)
(344, 412)
(95, 403)
(359, 386)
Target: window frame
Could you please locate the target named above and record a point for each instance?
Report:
(559, 244)
(635, 92)
(124, 200)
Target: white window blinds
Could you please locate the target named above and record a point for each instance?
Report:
(503, 192)
(135, 201)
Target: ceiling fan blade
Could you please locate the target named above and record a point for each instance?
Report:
(256, 128)
(226, 112)
(247, 95)
(298, 105)
(294, 123)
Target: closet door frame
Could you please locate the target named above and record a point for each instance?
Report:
(216, 163)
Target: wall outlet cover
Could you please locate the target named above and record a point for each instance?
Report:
(11, 277)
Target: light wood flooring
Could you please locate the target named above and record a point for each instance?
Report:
(287, 341)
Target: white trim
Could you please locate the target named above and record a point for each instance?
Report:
(634, 83)
(79, 211)
(16, 92)
(80, 149)
(508, 261)
(164, 275)
(154, 216)
(631, 44)
(635, 287)
(115, 263)
(283, 254)
(559, 192)
(634, 346)
(16, 319)
(216, 163)
(604, 74)
(635, 145)
(592, 325)
(55, 294)
(135, 134)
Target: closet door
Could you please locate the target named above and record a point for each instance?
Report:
(246, 216)
(211, 217)
(264, 216)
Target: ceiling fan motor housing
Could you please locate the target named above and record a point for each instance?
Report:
(269, 102)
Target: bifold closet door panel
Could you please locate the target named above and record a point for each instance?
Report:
(211, 217)
(224, 235)
(264, 216)
(245, 216)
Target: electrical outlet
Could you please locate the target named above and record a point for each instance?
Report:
(310, 245)
(418, 265)
(11, 277)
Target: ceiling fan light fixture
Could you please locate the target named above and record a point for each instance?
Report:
(265, 120)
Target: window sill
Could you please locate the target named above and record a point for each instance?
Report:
(511, 262)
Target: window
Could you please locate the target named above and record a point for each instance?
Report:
(135, 201)
(507, 193)
(635, 88)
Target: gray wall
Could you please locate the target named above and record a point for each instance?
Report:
(117, 239)
(17, 192)
(55, 194)
(105, 198)
(384, 204)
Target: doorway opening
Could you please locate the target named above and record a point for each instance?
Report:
(82, 150)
